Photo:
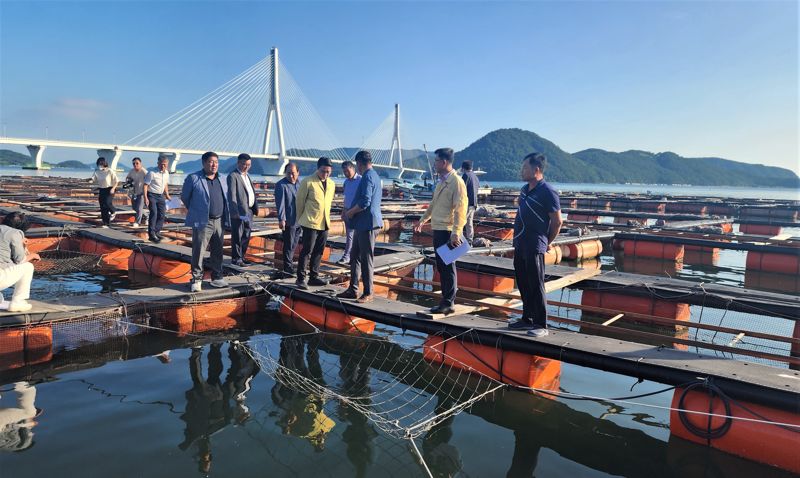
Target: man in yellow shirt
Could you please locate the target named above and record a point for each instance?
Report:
(447, 213)
(313, 205)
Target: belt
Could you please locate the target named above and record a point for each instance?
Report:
(214, 217)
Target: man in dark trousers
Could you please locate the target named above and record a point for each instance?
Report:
(365, 218)
(447, 212)
(205, 196)
(536, 226)
(472, 183)
(285, 195)
(243, 206)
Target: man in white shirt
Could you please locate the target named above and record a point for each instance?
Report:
(135, 182)
(156, 194)
(243, 206)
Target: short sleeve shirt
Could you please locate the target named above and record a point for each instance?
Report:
(532, 224)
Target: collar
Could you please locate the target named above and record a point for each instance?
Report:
(212, 179)
(446, 176)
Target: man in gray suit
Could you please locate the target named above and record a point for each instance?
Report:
(243, 206)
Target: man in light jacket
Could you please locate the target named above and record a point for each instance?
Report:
(447, 213)
(243, 207)
(205, 197)
(314, 201)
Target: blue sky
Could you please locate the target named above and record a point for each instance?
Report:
(698, 78)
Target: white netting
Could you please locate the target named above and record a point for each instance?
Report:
(398, 390)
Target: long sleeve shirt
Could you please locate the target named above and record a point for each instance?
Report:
(473, 184)
(368, 197)
(285, 196)
(448, 208)
(12, 246)
(105, 178)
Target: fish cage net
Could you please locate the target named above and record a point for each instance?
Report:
(399, 391)
(59, 261)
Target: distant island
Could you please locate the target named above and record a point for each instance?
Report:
(499, 154)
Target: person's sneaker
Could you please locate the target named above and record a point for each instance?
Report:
(238, 263)
(539, 333)
(343, 262)
(135, 225)
(317, 282)
(197, 286)
(112, 216)
(301, 284)
(219, 283)
(103, 227)
(347, 294)
(521, 324)
(19, 306)
(365, 298)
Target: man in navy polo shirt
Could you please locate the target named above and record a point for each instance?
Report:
(365, 218)
(536, 226)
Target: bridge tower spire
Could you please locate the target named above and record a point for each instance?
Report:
(274, 115)
(396, 144)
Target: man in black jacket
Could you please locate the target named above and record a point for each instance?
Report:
(472, 183)
(243, 206)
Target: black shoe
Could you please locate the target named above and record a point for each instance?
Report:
(155, 239)
(317, 282)
(301, 284)
(443, 309)
(347, 294)
(246, 262)
(521, 324)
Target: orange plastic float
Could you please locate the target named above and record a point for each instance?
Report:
(20, 346)
(494, 232)
(479, 280)
(167, 269)
(788, 283)
(510, 367)
(760, 229)
(110, 256)
(636, 305)
(701, 255)
(324, 318)
(773, 262)
(39, 244)
(655, 250)
(583, 250)
(754, 440)
(217, 315)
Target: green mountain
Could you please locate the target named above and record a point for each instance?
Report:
(72, 164)
(500, 152)
(13, 158)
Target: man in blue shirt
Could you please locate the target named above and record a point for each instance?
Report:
(285, 195)
(206, 199)
(351, 182)
(473, 184)
(365, 218)
(537, 224)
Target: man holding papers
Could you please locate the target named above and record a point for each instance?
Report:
(447, 213)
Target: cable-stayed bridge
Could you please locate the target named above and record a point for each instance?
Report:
(262, 112)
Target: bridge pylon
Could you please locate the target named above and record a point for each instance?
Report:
(275, 117)
(111, 155)
(398, 173)
(36, 151)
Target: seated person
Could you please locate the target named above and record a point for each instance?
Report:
(16, 268)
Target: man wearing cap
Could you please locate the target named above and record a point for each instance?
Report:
(205, 198)
(285, 204)
(243, 207)
(156, 193)
(365, 218)
(314, 201)
(447, 213)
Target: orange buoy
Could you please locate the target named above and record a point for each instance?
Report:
(788, 283)
(20, 346)
(39, 244)
(167, 269)
(110, 256)
(213, 315)
(762, 442)
(708, 256)
(480, 280)
(324, 318)
(583, 250)
(494, 232)
(655, 250)
(552, 256)
(635, 304)
(507, 366)
(727, 227)
(773, 262)
(760, 229)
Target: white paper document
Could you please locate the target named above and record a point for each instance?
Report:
(174, 203)
(451, 255)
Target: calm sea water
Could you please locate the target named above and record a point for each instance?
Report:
(159, 404)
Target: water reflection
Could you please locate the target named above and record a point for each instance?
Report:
(211, 404)
(17, 422)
